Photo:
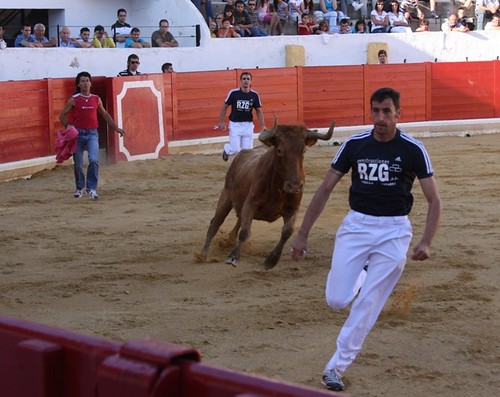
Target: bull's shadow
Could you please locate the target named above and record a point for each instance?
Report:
(265, 185)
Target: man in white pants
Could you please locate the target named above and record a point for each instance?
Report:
(384, 162)
(242, 101)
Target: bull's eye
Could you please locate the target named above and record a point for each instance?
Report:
(279, 152)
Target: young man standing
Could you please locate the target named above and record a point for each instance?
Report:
(84, 107)
(121, 29)
(242, 101)
(372, 242)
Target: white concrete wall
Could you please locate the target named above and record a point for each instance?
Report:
(220, 54)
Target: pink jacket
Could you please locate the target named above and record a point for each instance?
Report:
(66, 144)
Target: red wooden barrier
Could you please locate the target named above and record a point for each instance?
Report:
(42, 361)
(179, 106)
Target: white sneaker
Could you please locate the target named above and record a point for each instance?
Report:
(78, 194)
(93, 194)
(357, 6)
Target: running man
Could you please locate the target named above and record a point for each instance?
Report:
(242, 101)
(384, 162)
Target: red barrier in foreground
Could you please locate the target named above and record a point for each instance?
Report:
(42, 361)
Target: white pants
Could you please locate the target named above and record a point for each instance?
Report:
(382, 242)
(240, 137)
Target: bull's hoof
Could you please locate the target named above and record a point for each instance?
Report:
(231, 260)
(200, 256)
(270, 262)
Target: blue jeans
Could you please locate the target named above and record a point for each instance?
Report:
(87, 139)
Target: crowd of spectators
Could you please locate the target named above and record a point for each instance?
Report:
(257, 18)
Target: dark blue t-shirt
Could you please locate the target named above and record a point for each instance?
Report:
(382, 172)
(242, 104)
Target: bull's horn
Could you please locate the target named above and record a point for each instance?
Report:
(324, 137)
(268, 134)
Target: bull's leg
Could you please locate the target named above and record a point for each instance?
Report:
(245, 223)
(286, 232)
(224, 207)
(233, 234)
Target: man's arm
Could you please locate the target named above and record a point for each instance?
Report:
(314, 210)
(62, 116)
(260, 116)
(429, 187)
(222, 116)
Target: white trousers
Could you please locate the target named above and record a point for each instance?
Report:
(240, 137)
(383, 242)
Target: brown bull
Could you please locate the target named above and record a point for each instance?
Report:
(265, 186)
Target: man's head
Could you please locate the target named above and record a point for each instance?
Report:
(246, 80)
(461, 12)
(305, 18)
(121, 14)
(136, 34)
(39, 30)
(167, 68)
(344, 25)
(83, 81)
(495, 20)
(85, 33)
(382, 56)
(164, 25)
(239, 6)
(65, 34)
(133, 62)
(452, 19)
(385, 110)
(26, 30)
(251, 4)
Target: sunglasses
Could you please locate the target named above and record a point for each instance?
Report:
(137, 62)
(246, 78)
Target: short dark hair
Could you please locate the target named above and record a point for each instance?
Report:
(163, 20)
(132, 56)
(84, 29)
(165, 66)
(135, 30)
(121, 10)
(386, 93)
(344, 20)
(98, 28)
(246, 74)
(382, 52)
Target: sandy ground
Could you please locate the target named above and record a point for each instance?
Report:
(123, 268)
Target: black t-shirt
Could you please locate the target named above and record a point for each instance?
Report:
(242, 104)
(382, 172)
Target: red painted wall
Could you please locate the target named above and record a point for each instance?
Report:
(191, 102)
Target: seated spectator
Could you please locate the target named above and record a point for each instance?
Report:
(307, 7)
(360, 26)
(462, 18)
(38, 37)
(423, 26)
(83, 41)
(209, 13)
(266, 15)
(323, 28)
(65, 39)
(229, 13)
(22, 39)
(281, 8)
(494, 24)
(412, 10)
(450, 25)
(382, 57)
(275, 27)
(213, 29)
(306, 27)
(380, 19)
(257, 30)
(132, 66)
(3, 44)
(327, 10)
(136, 41)
(162, 37)
(485, 10)
(101, 38)
(294, 11)
(218, 19)
(344, 27)
(167, 67)
(226, 30)
(242, 22)
(397, 20)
